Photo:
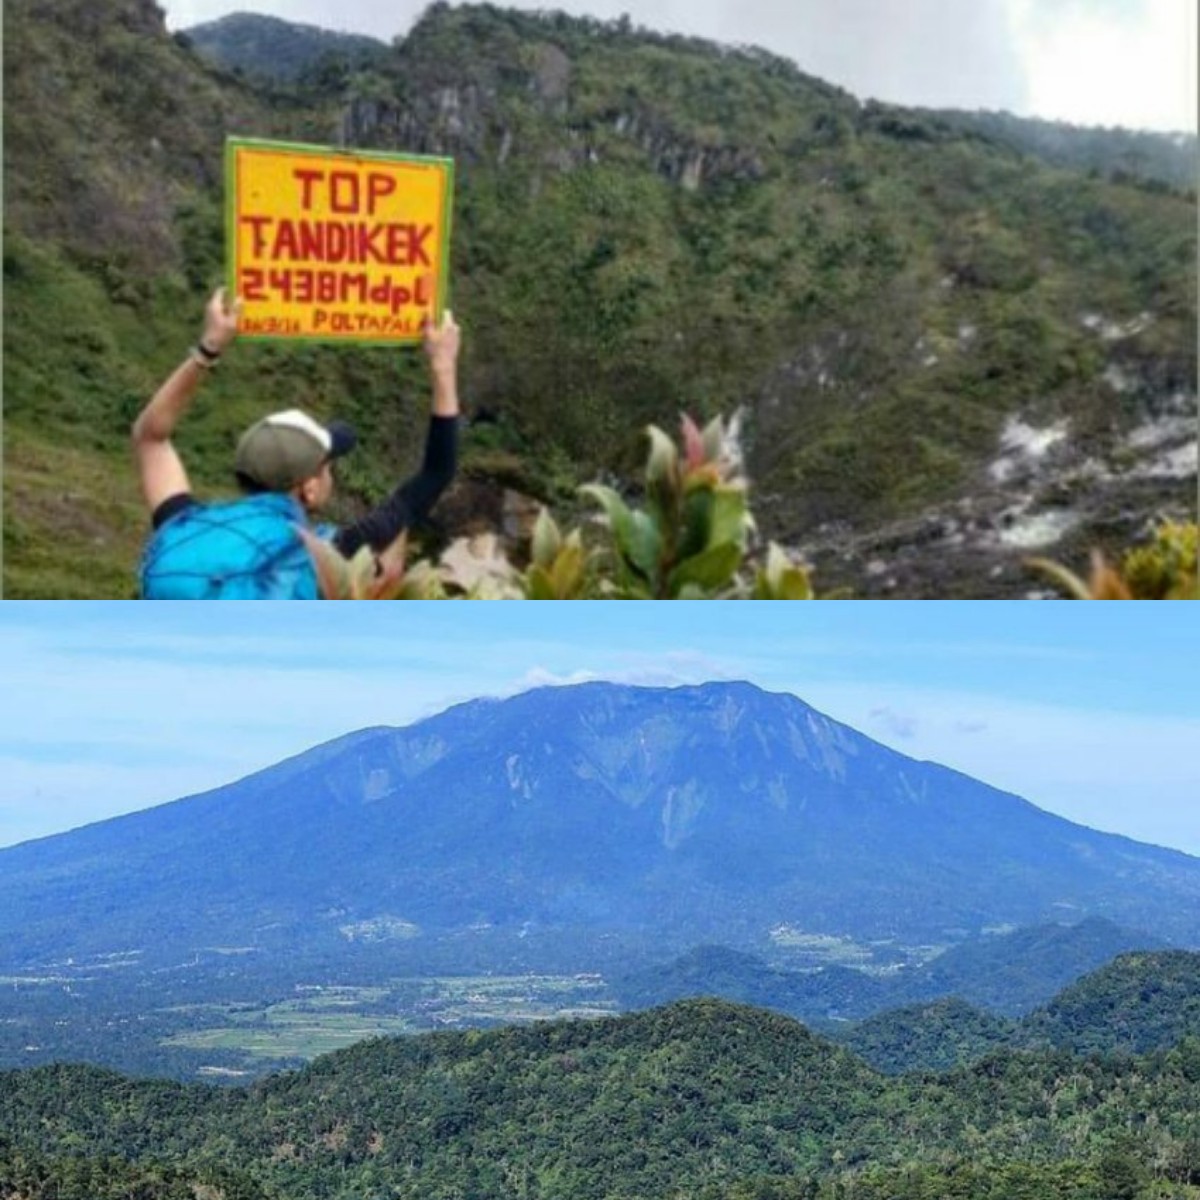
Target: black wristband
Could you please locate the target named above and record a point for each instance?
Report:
(206, 353)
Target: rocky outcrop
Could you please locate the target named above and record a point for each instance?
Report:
(469, 121)
(451, 120)
(1042, 495)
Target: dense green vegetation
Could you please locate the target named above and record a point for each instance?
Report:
(1008, 973)
(643, 224)
(698, 1099)
(1161, 160)
(280, 50)
(1134, 1004)
(928, 1037)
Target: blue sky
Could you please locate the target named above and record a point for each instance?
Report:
(1088, 710)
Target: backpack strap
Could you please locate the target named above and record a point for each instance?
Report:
(243, 549)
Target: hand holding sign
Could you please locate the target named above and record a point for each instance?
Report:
(220, 321)
(441, 348)
(441, 343)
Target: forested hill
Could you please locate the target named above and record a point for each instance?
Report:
(949, 355)
(1135, 1004)
(1169, 160)
(701, 1099)
(275, 49)
(1010, 974)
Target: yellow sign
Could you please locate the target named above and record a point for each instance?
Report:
(336, 245)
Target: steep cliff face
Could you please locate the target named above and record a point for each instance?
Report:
(456, 121)
(481, 108)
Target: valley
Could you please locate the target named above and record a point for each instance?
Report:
(227, 1026)
(323, 1018)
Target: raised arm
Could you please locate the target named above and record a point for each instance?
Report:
(413, 499)
(159, 467)
(441, 348)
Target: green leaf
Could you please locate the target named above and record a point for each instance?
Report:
(713, 439)
(538, 585)
(567, 573)
(730, 517)
(1065, 579)
(781, 579)
(644, 546)
(711, 569)
(663, 461)
(546, 539)
(617, 511)
(697, 523)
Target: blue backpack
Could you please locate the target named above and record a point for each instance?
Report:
(245, 549)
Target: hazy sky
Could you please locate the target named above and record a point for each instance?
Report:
(1088, 710)
(1091, 62)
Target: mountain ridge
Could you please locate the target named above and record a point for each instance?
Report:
(678, 816)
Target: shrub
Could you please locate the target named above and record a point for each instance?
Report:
(689, 542)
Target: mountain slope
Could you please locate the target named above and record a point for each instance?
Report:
(276, 49)
(1138, 1003)
(1013, 973)
(949, 354)
(928, 1037)
(658, 817)
(1167, 159)
(827, 993)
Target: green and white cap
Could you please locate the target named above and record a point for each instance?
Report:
(286, 448)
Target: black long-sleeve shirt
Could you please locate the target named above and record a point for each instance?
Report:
(408, 504)
(413, 499)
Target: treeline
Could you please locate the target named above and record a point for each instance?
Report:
(701, 1099)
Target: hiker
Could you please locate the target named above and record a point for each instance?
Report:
(250, 548)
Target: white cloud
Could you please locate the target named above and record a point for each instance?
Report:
(897, 724)
(537, 677)
(1106, 64)
(670, 668)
